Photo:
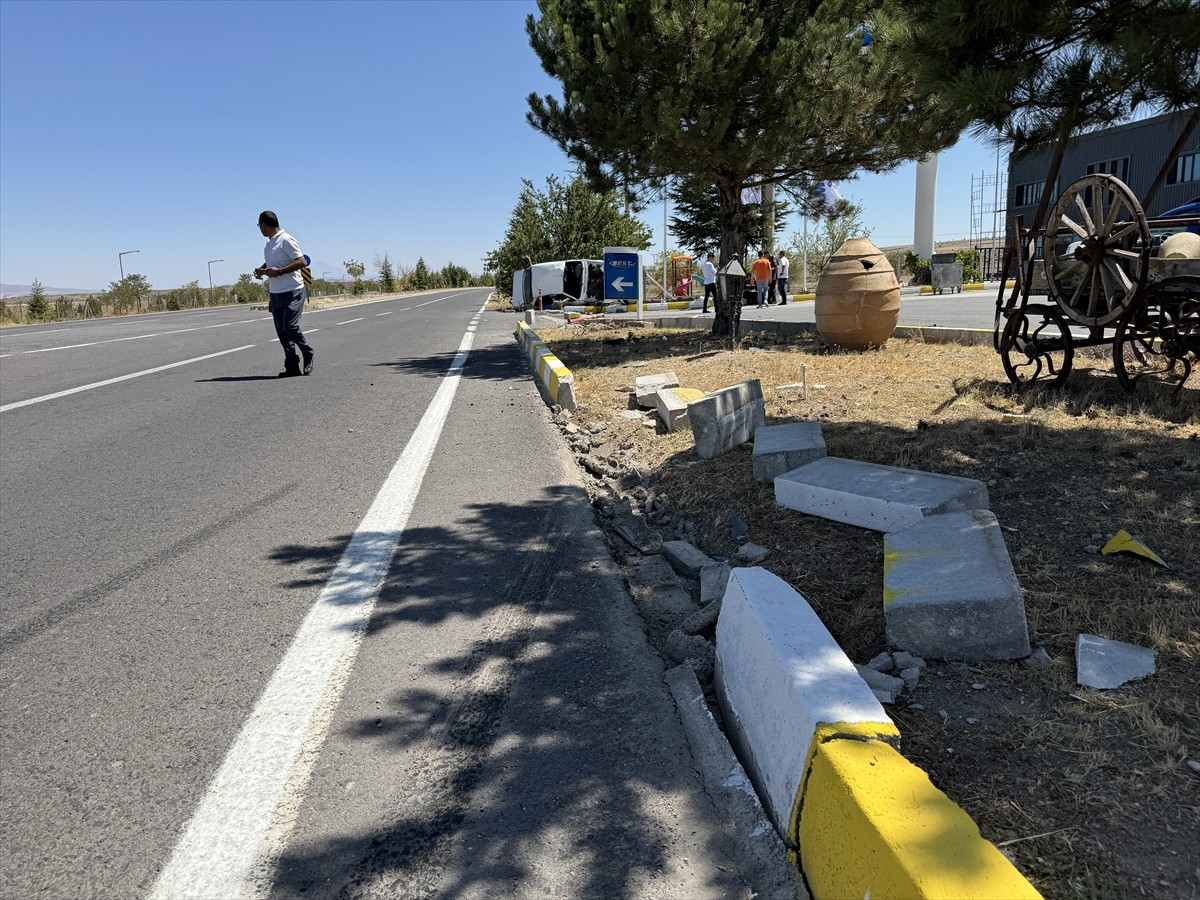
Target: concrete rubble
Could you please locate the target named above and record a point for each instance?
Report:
(1103, 663)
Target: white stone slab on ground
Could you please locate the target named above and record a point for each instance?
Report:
(646, 386)
(1103, 663)
(949, 590)
(781, 448)
(781, 675)
(881, 498)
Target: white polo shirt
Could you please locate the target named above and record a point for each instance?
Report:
(710, 272)
(279, 252)
(784, 265)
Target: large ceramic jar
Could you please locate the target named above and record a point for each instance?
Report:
(858, 297)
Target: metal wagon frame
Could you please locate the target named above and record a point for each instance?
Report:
(1096, 263)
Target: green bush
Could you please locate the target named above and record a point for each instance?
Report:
(918, 267)
(970, 264)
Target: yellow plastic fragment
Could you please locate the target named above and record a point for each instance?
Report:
(1124, 542)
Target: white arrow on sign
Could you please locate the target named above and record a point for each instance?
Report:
(620, 284)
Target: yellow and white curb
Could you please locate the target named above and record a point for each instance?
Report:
(555, 377)
(860, 820)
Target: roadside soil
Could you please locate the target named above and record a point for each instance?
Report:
(1094, 794)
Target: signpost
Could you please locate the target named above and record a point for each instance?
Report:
(733, 280)
(623, 275)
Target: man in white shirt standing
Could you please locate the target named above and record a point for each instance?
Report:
(282, 262)
(784, 267)
(710, 282)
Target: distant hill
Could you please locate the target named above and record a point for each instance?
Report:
(22, 290)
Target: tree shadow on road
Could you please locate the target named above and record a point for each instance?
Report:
(549, 733)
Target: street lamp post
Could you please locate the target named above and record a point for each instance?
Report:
(210, 289)
(121, 262)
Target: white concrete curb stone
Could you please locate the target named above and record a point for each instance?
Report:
(881, 498)
(780, 674)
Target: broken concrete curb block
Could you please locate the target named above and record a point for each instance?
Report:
(781, 448)
(685, 558)
(726, 418)
(1102, 663)
(780, 677)
(672, 406)
(646, 386)
(873, 825)
(949, 590)
(880, 498)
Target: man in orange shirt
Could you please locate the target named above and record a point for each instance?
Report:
(761, 269)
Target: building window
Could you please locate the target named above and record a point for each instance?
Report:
(1028, 194)
(1187, 168)
(1118, 167)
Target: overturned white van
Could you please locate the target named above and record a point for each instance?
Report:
(564, 281)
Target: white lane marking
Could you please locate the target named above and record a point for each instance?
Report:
(88, 387)
(136, 337)
(388, 313)
(269, 763)
(348, 321)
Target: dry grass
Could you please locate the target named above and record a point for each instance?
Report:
(1091, 787)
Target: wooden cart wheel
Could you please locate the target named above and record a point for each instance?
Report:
(1156, 348)
(1042, 355)
(1102, 223)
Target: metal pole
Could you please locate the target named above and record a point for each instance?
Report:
(806, 251)
(666, 286)
(210, 262)
(121, 262)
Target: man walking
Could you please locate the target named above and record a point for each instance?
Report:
(761, 268)
(784, 267)
(710, 282)
(282, 262)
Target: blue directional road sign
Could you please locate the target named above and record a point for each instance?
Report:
(622, 273)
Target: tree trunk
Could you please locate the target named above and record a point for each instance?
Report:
(732, 219)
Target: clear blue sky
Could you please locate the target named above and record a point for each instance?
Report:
(370, 127)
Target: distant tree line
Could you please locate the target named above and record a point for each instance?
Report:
(134, 294)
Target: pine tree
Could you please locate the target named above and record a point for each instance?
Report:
(721, 90)
(387, 277)
(420, 278)
(36, 308)
(1034, 73)
(696, 222)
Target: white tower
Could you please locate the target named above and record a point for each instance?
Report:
(926, 200)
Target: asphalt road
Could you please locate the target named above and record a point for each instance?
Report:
(345, 635)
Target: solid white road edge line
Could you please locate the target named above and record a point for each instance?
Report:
(87, 387)
(234, 830)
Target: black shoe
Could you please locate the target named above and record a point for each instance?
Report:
(290, 373)
(308, 364)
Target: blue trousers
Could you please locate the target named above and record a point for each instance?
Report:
(761, 288)
(285, 310)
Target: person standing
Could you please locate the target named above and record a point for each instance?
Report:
(784, 269)
(774, 274)
(761, 268)
(282, 262)
(710, 282)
